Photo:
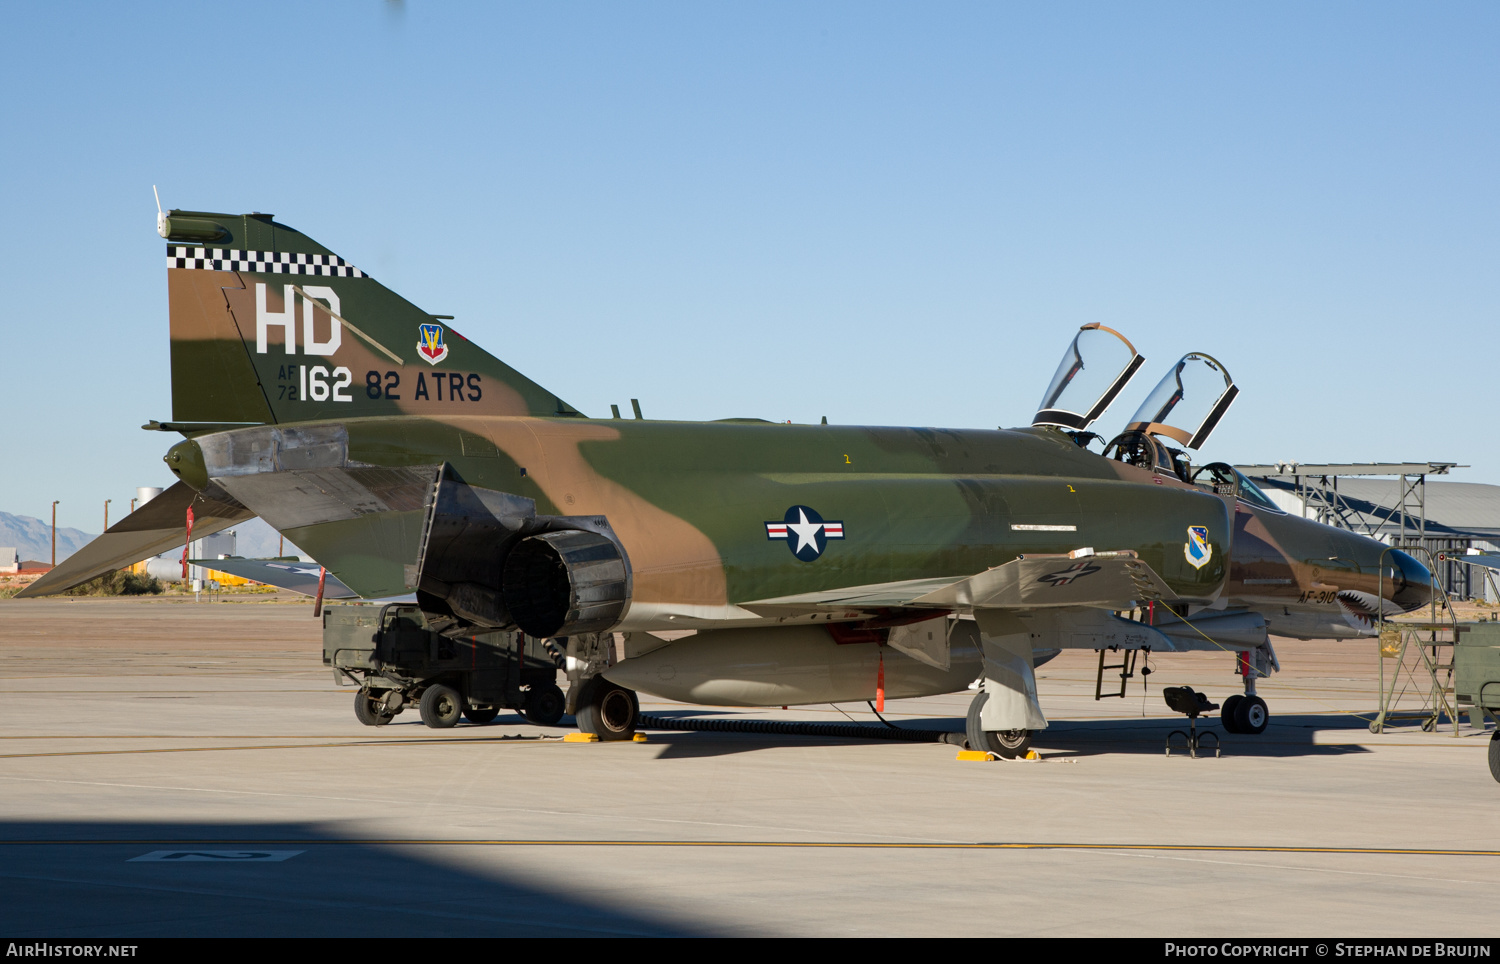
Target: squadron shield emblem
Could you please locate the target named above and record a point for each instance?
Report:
(1197, 548)
(430, 344)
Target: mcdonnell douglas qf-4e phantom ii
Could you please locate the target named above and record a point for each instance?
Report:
(816, 563)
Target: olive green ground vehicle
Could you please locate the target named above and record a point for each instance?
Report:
(1476, 677)
(397, 661)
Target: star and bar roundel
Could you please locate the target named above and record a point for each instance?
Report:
(805, 532)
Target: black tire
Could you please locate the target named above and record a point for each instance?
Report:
(364, 711)
(607, 711)
(479, 716)
(1228, 710)
(370, 711)
(441, 706)
(974, 737)
(545, 704)
(1009, 744)
(1251, 715)
(1495, 755)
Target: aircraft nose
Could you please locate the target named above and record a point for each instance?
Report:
(1412, 583)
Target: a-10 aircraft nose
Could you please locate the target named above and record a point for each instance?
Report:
(185, 459)
(1412, 584)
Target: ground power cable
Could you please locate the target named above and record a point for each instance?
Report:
(857, 731)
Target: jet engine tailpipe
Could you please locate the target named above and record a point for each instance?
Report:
(564, 583)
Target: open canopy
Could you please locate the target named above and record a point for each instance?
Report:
(1188, 402)
(1096, 367)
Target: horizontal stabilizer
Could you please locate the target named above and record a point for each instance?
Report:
(154, 528)
(299, 577)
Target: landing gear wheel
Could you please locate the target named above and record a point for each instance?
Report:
(1227, 713)
(481, 716)
(1008, 744)
(1251, 715)
(1495, 755)
(607, 711)
(441, 706)
(544, 705)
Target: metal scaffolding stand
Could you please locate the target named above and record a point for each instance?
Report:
(1404, 521)
(1419, 683)
(1486, 564)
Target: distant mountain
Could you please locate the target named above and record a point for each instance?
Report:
(33, 538)
(256, 539)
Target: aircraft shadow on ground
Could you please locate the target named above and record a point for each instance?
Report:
(82, 882)
(1287, 736)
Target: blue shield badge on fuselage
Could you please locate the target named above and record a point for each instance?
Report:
(1197, 548)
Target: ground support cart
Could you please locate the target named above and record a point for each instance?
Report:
(397, 662)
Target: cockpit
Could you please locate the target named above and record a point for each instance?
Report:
(1175, 418)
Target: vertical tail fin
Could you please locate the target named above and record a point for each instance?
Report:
(270, 326)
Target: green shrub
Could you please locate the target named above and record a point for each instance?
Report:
(120, 582)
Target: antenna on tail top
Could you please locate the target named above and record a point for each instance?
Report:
(161, 219)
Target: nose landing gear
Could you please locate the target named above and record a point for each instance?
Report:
(1248, 714)
(1245, 714)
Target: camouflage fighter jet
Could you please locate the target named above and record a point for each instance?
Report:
(814, 563)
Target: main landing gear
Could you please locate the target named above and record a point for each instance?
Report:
(1008, 744)
(608, 711)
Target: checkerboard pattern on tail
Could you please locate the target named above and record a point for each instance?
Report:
(260, 262)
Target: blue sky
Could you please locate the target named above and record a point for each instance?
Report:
(882, 213)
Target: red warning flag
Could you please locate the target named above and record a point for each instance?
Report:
(187, 544)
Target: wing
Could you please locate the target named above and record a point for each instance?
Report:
(883, 595)
(154, 528)
(292, 576)
(1105, 580)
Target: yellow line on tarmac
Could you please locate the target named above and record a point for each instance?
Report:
(287, 746)
(196, 736)
(783, 844)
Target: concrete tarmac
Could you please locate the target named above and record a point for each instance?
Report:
(160, 727)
